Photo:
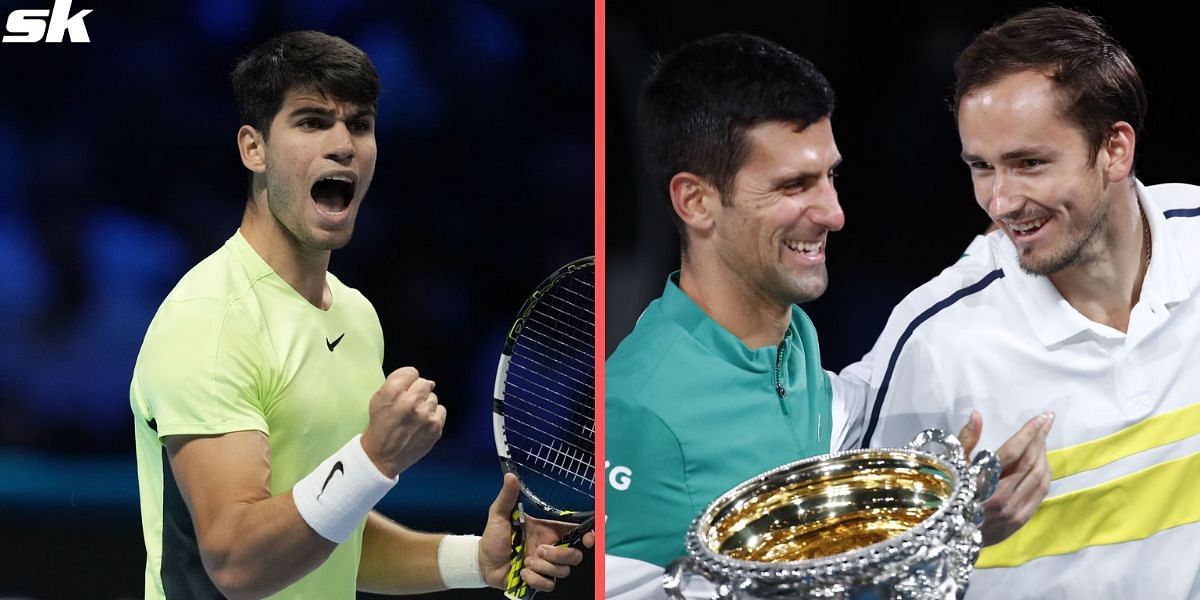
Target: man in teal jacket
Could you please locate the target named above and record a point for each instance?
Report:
(721, 379)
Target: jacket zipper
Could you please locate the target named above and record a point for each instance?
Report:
(781, 392)
(779, 389)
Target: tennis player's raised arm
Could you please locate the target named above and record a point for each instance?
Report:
(253, 544)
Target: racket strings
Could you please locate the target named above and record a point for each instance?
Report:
(576, 464)
(549, 393)
(551, 336)
(561, 359)
(560, 340)
(561, 343)
(538, 359)
(526, 428)
(544, 373)
(544, 459)
(529, 400)
(570, 317)
(567, 494)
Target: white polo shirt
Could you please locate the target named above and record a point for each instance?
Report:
(1122, 519)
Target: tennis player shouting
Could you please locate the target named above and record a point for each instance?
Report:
(265, 428)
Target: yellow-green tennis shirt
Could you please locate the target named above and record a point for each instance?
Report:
(235, 348)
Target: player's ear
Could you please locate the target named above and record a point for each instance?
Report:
(1118, 150)
(694, 199)
(252, 146)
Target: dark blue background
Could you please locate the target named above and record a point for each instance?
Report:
(119, 171)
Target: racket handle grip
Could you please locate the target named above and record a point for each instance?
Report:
(515, 587)
(575, 538)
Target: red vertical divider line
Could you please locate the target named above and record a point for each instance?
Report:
(599, 242)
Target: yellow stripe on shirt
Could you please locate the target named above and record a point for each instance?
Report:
(1128, 508)
(1153, 432)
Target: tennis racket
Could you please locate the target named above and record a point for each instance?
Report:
(543, 413)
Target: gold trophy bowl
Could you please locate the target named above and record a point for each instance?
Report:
(896, 523)
(832, 507)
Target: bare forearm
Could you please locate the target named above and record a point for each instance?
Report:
(258, 548)
(398, 560)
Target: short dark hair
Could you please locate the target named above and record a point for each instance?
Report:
(1094, 74)
(699, 101)
(296, 60)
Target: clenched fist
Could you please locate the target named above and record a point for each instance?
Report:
(406, 421)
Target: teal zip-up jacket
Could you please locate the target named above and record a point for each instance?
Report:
(691, 412)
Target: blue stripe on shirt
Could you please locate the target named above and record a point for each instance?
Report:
(921, 318)
(1182, 212)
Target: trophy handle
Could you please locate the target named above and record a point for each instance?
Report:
(986, 471)
(673, 577)
(950, 447)
(684, 568)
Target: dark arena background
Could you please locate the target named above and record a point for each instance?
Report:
(119, 172)
(910, 210)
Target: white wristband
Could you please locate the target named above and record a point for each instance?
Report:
(336, 497)
(458, 561)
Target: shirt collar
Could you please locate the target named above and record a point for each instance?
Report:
(681, 309)
(248, 257)
(1167, 281)
(257, 269)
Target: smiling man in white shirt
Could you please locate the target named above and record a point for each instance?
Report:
(1080, 304)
